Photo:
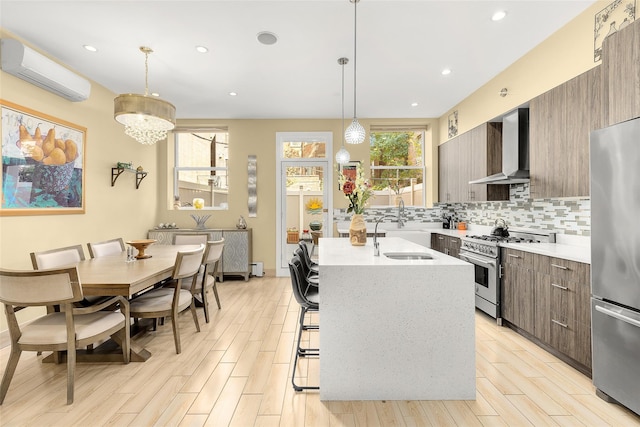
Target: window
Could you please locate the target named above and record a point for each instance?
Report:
(397, 166)
(310, 177)
(200, 172)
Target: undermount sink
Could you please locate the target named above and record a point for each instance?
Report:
(408, 255)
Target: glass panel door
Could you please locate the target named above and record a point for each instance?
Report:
(304, 206)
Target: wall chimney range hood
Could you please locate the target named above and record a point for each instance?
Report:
(515, 150)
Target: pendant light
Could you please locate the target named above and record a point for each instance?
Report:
(343, 156)
(146, 118)
(355, 132)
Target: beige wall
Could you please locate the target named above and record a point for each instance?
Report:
(110, 211)
(124, 211)
(565, 54)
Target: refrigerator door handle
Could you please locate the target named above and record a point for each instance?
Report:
(618, 316)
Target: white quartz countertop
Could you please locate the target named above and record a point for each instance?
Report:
(579, 253)
(339, 251)
(579, 250)
(557, 250)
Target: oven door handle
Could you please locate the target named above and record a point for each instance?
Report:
(474, 260)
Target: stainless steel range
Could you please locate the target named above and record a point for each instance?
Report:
(484, 253)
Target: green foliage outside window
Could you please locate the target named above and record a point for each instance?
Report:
(401, 151)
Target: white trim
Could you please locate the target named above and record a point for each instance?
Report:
(327, 162)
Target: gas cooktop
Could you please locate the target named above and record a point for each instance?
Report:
(509, 239)
(487, 244)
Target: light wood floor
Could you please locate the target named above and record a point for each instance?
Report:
(237, 372)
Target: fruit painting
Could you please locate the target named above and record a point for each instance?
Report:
(42, 163)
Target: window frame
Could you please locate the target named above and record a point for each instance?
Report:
(177, 169)
(423, 168)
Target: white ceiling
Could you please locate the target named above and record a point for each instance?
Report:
(402, 48)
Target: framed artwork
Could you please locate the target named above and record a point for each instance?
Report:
(617, 15)
(43, 163)
(453, 124)
(349, 170)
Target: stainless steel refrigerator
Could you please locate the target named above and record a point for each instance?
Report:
(615, 262)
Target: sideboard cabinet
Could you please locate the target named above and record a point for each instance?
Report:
(237, 253)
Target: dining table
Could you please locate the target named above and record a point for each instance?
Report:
(114, 275)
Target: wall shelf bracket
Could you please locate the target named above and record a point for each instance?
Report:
(116, 172)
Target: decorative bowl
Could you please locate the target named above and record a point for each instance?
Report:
(141, 246)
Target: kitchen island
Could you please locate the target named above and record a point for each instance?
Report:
(393, 329)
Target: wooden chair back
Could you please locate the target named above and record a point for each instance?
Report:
(57, 257)
(40, 287)
(188, 263)
(212, 255)
(107, 247)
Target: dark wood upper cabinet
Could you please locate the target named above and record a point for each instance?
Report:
(560, 122)
(473, 155)
(621, 75)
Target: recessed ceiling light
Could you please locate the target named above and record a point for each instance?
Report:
(266, 37)
(233, 93)
(90, 48)
(202, 49)
(414, 104)
(446, 71)
(499, 15)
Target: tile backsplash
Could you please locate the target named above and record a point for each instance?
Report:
(566, 216)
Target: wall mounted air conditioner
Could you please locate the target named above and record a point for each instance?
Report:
(29, 65)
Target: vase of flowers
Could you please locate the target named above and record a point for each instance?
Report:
(314, 207)
(358, 192)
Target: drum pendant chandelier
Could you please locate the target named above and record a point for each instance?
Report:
(146, 118)
(355, 132)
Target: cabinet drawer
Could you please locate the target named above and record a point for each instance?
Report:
(563, 269)
(517, 258)
(562, 302)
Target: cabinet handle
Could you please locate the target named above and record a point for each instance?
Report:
(446, 251)
(561, 267)
(564, 325)
(564, 288)
(514, 256)
(440, 238)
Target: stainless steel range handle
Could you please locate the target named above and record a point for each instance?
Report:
(618, 316)
(564, 288)
(564, 325)
(474, 260)
(561, 267)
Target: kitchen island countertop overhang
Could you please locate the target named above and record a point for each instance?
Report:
(395, 329)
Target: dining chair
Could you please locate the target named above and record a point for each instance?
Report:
(308, 302)
(71, 328)
(61, 257)
(172, 299)
(207, 276)
(107, 247)
(57, 257)
(190, 239)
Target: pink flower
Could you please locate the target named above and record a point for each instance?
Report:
(348, 187)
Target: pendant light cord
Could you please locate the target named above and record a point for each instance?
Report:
(355, 59)
(342, 63)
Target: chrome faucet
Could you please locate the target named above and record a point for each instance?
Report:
(400, 214)
(376, 244)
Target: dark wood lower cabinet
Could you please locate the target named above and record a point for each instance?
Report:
(548, 300)
(517, 289)
(446, 244)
